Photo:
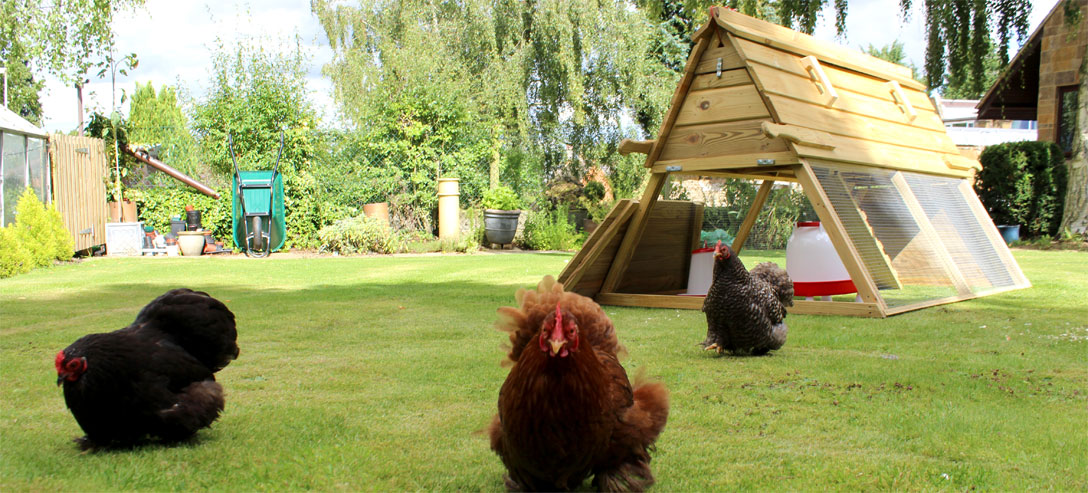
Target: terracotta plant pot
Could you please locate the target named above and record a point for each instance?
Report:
(128, 208)
(378, 210)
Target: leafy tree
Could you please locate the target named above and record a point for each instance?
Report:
(960, 38)
(547, 79)
(66, 38)
(255, 94)
(967, 40)
(894, 53)
(156, 119)
(23, 89)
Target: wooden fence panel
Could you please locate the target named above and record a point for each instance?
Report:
(79, 187)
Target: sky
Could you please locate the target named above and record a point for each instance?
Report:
(174, 42)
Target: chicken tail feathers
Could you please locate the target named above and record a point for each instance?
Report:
(650, 412)
(635, 437)
(198, 405)
(779, 280)
(200, 324)
(524, 321)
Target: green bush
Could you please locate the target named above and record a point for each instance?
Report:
(14, 259)
(1024, 183)
(36, 239)
(549, 230)
(501, 198)
(155, 207)
(360, 234)
(41, 230)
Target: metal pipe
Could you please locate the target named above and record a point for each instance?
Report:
(143, 157)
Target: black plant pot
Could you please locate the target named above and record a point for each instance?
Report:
(500, 226)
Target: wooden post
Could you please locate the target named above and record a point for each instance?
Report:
(839, 238)
(753, 213)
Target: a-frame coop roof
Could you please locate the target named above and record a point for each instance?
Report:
(860, 137)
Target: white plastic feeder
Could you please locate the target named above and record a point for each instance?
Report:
(813, 265)
(701, 271)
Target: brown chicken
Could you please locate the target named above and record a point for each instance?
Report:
(567, 409)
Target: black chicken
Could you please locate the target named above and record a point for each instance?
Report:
(155, 377)
(745, 311)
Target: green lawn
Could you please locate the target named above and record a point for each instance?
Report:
(375, 373)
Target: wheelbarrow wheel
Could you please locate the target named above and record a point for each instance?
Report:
(256, 247)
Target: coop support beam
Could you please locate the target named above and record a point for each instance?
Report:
(837, 233)
(597, 243)
(627, 146)
(634, 233)
(930, 234)
(753, 213)
(979, 211)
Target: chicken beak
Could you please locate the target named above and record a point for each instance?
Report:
(60, 378)
(556, 345)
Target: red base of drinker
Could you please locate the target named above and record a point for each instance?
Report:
(823, 288)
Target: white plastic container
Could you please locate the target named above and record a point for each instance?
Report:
(124, 239)
(700, 272)
(814, 265)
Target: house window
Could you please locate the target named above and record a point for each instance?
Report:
(1067, 117)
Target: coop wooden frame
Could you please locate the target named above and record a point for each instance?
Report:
(759, 101)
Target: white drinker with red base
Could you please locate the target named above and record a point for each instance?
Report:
(813, 265)
(701, 271)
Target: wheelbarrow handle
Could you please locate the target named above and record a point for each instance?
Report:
(237, 176)
(230, 147)
(279, 154)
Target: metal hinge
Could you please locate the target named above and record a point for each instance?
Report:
(674, 167)
(719, 66)
(765, 162)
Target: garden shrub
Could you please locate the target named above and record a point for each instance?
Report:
(501, 198)
(549, 230)
(36, 239)
(1024, 183)
(14, 259)
(360, 234)
(41, 230)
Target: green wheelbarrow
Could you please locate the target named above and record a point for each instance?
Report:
(258, 213)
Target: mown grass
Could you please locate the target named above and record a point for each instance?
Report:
(375, 373)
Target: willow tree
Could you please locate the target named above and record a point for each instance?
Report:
(967, 41)
(548, 79)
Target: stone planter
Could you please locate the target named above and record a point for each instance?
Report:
(191, 243)
(500, 226)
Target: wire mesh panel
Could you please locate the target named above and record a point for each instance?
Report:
(916, 234)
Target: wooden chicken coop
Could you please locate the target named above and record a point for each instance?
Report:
(856, 133)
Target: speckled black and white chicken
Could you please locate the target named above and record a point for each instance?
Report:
(745, 311)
